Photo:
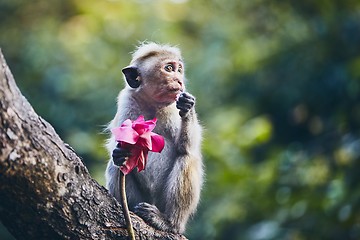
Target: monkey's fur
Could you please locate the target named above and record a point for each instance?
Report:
(167, 192)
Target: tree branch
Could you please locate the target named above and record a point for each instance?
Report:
(46, 191)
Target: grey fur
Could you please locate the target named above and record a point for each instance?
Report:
(167, 192)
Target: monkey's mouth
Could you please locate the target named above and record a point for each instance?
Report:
(174, 93)
(175, 90)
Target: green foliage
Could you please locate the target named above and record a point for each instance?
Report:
(277, 86)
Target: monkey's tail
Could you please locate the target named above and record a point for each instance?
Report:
(125, 207)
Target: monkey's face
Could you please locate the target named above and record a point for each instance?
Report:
(165, 80)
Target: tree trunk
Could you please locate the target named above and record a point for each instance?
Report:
(46, 191)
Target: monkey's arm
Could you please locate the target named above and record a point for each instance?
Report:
(185, 179)
(189, 138)
(183, 184)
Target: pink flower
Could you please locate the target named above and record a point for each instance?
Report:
(138, 138)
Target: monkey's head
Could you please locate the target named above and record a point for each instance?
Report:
(156, 72)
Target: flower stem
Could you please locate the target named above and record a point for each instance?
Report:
(125, 207)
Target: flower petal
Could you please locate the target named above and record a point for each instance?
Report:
(129, 165)
(142, 126)
(138, 138)
(157, 142)
(142, 160)
(134, 160)
(139, 119)
(144, 141)
(125, 134)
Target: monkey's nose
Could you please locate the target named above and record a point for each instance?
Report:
(180, 82)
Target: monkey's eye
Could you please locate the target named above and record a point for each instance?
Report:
(169, 68)
(180, 69)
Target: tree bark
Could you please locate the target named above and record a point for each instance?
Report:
(46, 192)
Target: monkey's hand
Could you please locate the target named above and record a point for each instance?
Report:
(152, 216)
(184, 103)
(120, 155)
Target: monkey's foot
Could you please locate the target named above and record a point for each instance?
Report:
(152, 216)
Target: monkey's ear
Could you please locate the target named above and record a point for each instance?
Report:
(132, 76)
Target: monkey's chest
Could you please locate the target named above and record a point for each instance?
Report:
(159, 165)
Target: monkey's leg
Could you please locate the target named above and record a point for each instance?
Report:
(152, 216)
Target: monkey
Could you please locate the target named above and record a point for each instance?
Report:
(167, 192)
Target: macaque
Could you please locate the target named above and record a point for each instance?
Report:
(167, 192)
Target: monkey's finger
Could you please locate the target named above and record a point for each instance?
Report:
(184, 106)
(121, 149)
(121, 155)
(121, 152)
(120, 158)
(186, 100)
(186, 95)
(119, 161)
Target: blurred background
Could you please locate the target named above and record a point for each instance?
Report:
(278, 93)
